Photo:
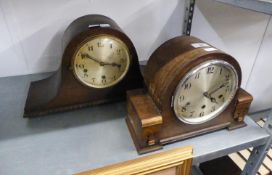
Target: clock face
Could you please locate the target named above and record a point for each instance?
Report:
(205, 91)
(101, 62)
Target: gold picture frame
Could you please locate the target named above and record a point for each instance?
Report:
(173, 162)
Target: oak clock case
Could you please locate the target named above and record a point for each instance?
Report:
(192, 88)
(99, 64)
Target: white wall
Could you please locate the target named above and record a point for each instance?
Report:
(260, 82)
(234, 30)
(245, 35)
(31, 30)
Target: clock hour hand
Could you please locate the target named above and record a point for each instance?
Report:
(101, 63)
(209, 94)
(213, 100)
(112, 64)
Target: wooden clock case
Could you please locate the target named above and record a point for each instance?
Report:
(62, 91)
(151, 118)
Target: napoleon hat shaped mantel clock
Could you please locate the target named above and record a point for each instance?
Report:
(192, 88)
(99, 64)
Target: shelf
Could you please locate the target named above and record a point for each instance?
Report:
(75, 141)
(264, 6)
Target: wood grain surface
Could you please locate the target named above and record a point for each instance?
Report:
(166, 67)
(62, 91)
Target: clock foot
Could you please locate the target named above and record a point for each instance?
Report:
(144, 121)
(140, 149)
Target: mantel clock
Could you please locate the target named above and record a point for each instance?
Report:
(192, 88)
(99, 64)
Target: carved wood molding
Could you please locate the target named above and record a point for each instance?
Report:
(175, 162)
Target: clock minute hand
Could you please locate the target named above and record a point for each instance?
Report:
(112, 64)
(216, 89)
(100, 62)
(92, 58)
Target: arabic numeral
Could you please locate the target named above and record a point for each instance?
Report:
(80, 66)
(187, 86)
(99, 44)
(210, 70)
(90, 48)
(213, 108)
(181, 98)
(227, 77)
(197, 75)
(220, 71)
(183, 109)
(228, 89)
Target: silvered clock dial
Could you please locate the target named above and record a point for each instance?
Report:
(205, 91)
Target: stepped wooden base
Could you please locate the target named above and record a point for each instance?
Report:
(150, 128)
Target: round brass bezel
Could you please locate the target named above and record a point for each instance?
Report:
(88, 39)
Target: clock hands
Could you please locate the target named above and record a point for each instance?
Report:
(83, 55)
(101, 63)
(209, 94)
(216, 89)
(213, 100)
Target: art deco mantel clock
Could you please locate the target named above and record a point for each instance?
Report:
(99, 64)
(192, 88)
